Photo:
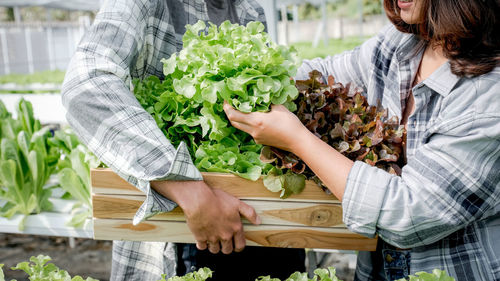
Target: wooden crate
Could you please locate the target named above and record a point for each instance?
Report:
(311, 219)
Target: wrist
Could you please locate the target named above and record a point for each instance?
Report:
(302, 141)
(181, 192)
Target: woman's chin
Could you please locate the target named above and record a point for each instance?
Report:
(408, 18)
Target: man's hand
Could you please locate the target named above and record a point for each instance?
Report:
(213, 215)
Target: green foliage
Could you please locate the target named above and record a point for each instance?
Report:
(201, 275)
(54, 76)
(38, 269)
(74, 173)
(26, 163)
(29, 155)
(372, 7)
(436, 275)
(305, 50)
(231, 63)
(320, 274)
(2, 277)
(345, 8)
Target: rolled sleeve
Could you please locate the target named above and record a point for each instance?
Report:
(363, 198)
(182, 168)
(437, 193)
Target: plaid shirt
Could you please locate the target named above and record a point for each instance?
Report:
(445, 206)
(126, 41)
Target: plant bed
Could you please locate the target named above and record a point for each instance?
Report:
(54, 223)
(311, 219)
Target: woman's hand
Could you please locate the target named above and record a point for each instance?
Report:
(279, 127)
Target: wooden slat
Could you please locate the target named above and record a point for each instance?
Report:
(271, 212)
(263, 235)
(105, 181)
(311, 219)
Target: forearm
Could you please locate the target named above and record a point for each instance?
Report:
(328, 164)
(182, 192)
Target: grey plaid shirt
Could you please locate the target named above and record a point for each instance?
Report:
(445, 205)
(127, 40)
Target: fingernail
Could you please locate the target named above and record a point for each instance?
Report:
(258, 220)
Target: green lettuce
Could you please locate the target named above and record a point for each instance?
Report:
(26, 163)
(201, 275)
(234, 63)
(38, 269)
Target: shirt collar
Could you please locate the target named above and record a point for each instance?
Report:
(442, 80)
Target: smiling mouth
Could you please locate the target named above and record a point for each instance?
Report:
(406, 1)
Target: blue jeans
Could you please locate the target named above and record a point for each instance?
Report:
(387, 263)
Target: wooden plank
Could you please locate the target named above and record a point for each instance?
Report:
(263, 235)
(105, 181)
(271, 212)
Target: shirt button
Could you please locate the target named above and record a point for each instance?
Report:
(414, 123)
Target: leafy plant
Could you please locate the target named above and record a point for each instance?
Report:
(320, 274)
(201, 275)
(436, 275)
(74, 173)
(234, 63)
(49, 76)
(2, 277)
(26, 163)
(38, 270)
(341, 117)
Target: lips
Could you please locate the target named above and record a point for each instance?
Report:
(405, 4)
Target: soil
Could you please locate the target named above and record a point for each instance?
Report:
(87, 258)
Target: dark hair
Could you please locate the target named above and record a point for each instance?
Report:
(468, 30)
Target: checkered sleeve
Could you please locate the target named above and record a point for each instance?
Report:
(452, 181)
(108, 118)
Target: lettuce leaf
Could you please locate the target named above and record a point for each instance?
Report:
(234, 63)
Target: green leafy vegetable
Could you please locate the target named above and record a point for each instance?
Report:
(342, 117)
(26, 163)
(2, 277)
(436, 275)
(29, 155)
(74, 173)
(38, 269)
(201, 275)
(320, 274)
(231, 63)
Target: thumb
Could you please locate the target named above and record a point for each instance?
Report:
(248, 212)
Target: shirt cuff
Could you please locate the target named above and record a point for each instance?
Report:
(363, 198)
(182, 168)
